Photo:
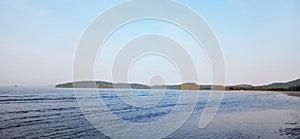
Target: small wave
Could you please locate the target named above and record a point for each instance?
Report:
(43, 110)
(35, 99)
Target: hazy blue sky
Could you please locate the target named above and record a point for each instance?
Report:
(38, 38)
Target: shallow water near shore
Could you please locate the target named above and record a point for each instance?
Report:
(53, 112)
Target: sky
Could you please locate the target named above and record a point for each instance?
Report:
(259, 39)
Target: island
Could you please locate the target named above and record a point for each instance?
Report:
(189, 86)
(287, 86)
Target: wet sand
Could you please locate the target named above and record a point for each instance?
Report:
(292, 93)
(284, 123)
(259, 124)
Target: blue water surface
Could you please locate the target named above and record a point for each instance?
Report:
(54, 112)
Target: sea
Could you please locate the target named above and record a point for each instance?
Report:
(64, 113)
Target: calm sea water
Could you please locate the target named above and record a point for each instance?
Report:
(54, 113)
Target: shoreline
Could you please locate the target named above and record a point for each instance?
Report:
(292, 93)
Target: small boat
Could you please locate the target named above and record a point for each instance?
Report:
(15, 86)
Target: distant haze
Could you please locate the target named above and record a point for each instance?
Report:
(259, 39)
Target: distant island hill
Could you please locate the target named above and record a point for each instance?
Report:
(287, 86)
